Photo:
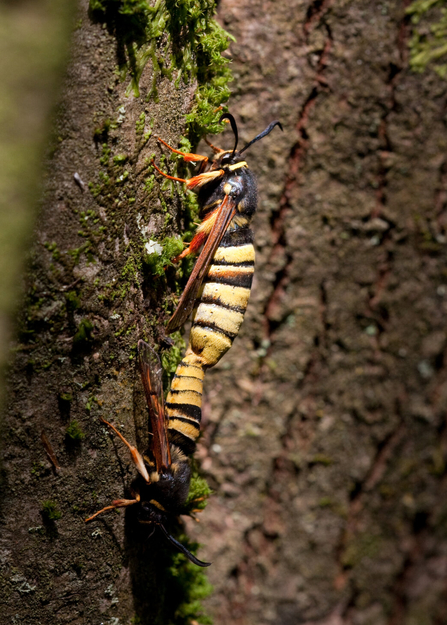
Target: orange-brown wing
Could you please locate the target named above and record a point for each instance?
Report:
(226, 212)
(151, 374)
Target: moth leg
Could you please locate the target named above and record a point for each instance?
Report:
(193, 247)
(200, 237)
(136, 456)
(199, 499)
(167, 176)
(187, 156)
(195, 181)
(118, 503)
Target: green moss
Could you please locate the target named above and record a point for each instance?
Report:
(321, 459)
(428, 43)
(190, 211)
(64, 401)
(105, 179)
(91, 400)
(189, 585)
(76, 253)
(50, 511)
(199, 491)
(72, 300)
(171, 358)
(39, 469)
(197, 43)
(52, 247)
(74, 432)
(120, 159)
(122, 177)
(325, 502)
(139, 124)
(157, 262)
(105, 154)
(84, 333)
(129, 274)
(101, 134)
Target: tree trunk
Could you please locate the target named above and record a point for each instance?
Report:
(324, 426)
(326, 437)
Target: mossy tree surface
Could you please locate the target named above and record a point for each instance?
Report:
(95, 285)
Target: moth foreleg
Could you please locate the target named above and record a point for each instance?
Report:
(189, 157)
(118, 503)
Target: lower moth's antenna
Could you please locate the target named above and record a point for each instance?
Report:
(183, 549)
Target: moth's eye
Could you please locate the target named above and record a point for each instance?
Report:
(226, 159)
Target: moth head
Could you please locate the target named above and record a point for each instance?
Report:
(227, 158)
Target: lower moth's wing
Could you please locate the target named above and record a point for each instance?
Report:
(225, 214)
(151, 374)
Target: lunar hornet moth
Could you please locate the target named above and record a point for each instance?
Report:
(227, 195)
(162, 487)
(219, 286)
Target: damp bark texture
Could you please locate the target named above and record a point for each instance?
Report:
(324, 426)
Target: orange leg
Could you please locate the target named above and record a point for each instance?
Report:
(193, 247)
(118, 503)
(187, 156)
(136, 456)
(196, 181)
(166, 175)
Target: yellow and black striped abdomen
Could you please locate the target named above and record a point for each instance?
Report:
(184, 402)
(224, 297)
(216, 322)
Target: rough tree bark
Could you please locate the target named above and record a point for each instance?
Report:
(324, 427)
(326, 437)
(91, 293)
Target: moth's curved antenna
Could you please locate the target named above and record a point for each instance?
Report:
(232, 121)
(183, 549)
(264, 133)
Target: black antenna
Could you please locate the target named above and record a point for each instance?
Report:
(183, 549)
(232, 121)
(267, 131)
